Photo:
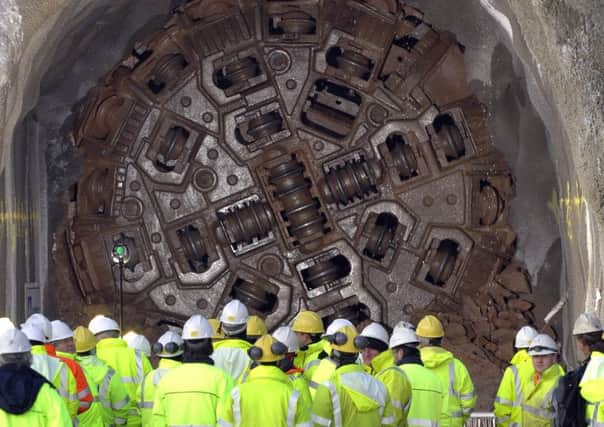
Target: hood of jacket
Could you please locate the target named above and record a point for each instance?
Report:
(382, 361)
(521, 356)
(433, 357)
(366, 393)
(232, 343)
(19, 388)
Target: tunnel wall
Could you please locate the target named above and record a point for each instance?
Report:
(560, 58)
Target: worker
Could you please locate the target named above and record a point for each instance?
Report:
(218, 334)
(267, 397)
(287, 337)
(26, 397)
(326, 367)
(190, 394)
(90, 412)
(255, 329)
(528, 401)
(427, 392)
(230, 354)
(52, 368)
(308, 327)
(379, 361)
(169, 348)
(138, 342)
(131, 366)
(590, 342)
(110, 390)
(351, 397)
(522, 342)
(454, 376)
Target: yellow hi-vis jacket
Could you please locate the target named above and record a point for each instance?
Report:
(300, 383)
(352, 398)
(308, 357)
(59, 374)
(460, 399)
(592, 390)
(520, 357)
(146, 391)
(427, 393)
(397, 384)
(528, 400)
(48, 410)
(230, 355)
(131, 366)
(109, 390)
(323, 372)
(190, 395)
(267, 398)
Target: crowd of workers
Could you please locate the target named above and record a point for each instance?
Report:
(231, 372)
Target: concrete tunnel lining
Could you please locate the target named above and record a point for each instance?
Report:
(529, 73)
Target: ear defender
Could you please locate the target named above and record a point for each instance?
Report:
(339, 338)
(157, 347)
(171, 347)
(254, 352)
(278, 348)
(361, 342)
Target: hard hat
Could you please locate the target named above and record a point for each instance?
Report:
(542, 345)
(218, 334)
(14, 341)
(308, 322)
(33, 332)
(197, 328)
(41, 322)
(287, 336)
(138, 342)
(587, 323)
(60, 331)
(6, 324)
(234, 313)
(524, 337)
(430, 327)
(405, 324)
(256, 327)
(170, 344)
(403, 336)
(102, 323)
(335, 325)
(375, 331)
(344, 340)
(267, 349)
(84, 339)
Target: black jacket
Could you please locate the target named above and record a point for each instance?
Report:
(19, 388)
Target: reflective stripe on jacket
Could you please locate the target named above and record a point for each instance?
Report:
(426, 396)
(352, 398)
(322, 373)
(190, 395)
(267, 398)
(110, 390)
(146, 391)
(48, 410)
(460, 399)
(523, 401)
(592, 390)
(85, 396)
(230, 355)
(399, 391)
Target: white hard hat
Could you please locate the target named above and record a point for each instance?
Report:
(170, 344)
(405, 324)
(6, 324)
(542, 345)
(14, 341)
(287, 336)
(587, 323)
(234, 313)
(102, 323)
(336, 325)
(60, 331)
(138, 342)
(376, 331)
(524, 337)
(33, 332)
(402, 336)
(197, 328)
(41, 322)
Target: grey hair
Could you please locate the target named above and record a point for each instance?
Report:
(20, 359)
(107, 334)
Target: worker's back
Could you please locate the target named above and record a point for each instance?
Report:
(231, 356)
(426, 395)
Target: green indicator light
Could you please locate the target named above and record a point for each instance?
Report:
(120, 250)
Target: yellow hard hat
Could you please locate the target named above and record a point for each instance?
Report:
(308, 322)
(344, 340)
(215, 323)
(84, 339)
(430, 327)
(256, 327)
(267, 349)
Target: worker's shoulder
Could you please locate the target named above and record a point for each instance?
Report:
(194, 373)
